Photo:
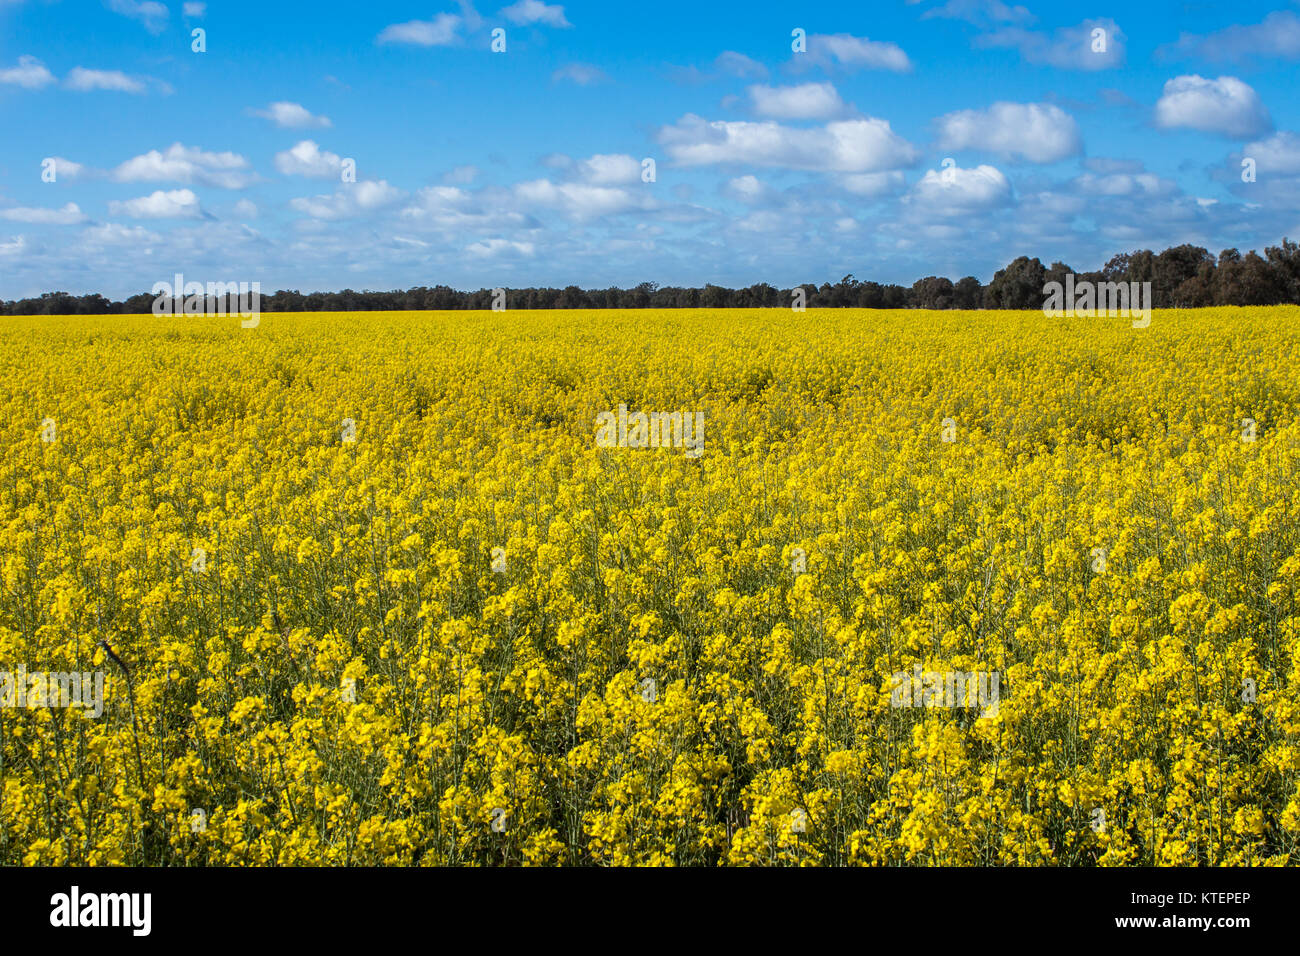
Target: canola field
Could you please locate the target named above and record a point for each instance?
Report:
(379, 590)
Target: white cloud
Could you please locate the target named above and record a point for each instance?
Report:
(352, 199)
(1226, 106)
(534, 11)
(187, 164)
(440, 31)
(453, 209)
(1278, 35)
(956, 190)
(748, 189)
(1125, 184)
(496, 248)
(308, 159)
(580, 200)
(116, 234)
(30, 73)
(69, 215)
(83, 80)
(1078, 47)
(806, 101)
(763, 220)
(292, 116)
(980, 12)
(846, 146)
(153, 15)
(1038, 132)
(1279, 154)
(66, 169)
(194, 10)
(13, 247)
(849, 51)
(246, 209)
(173, 204)
(584, 74)
(610, 169)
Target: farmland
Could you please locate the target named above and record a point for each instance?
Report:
(378, 591)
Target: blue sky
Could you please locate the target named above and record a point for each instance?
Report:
(906, 139)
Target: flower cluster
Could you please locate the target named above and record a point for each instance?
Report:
(366, 589)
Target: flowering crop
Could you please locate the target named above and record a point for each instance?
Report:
(367, 589)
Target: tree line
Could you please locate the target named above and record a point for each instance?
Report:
(1183, 276)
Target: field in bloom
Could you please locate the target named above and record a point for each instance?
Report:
(378, 595)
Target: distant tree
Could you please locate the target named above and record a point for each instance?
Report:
(932, 292)
(1172, 268)
(1018, 286)
(895, 296)
(1284, 260)
(968, 293)
(714, 297)
(1183, 276)
(1197, 291)
(1057, 273)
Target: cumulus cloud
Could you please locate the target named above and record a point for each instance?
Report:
(455, 210)
(956, 190)
(1038, 132)
(66, 169)
(30, 74)
(806, 101)
(173, 204)
(1125, 184)
(353, 199)
(1278, 35)
(847, 146)
(114, 234)
(440, 31)
(246, 209)
(1279, 154)
(1080, 47)
(308, 159)
(583, 74)
(497, 248)
(292, 116)
(83, 81)
(187, 164)
(1226, 106)
(727, 63)
(69, 215)
(748, 189)
(150, 13)
(850, 52)
(610, 169)
(527, 12)
(980, 12)
(580, 200)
